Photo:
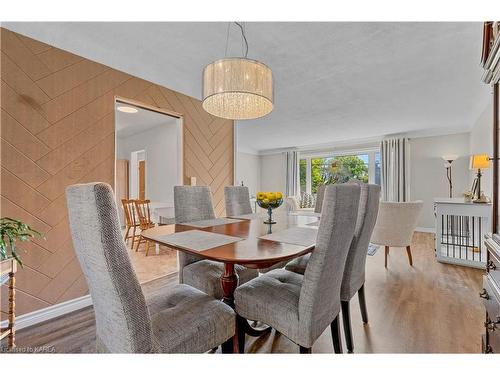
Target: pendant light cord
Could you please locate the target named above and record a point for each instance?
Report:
(227, 38)
(244, 37)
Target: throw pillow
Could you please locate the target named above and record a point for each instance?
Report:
(306, 200)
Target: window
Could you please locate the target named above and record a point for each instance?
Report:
(378, 178)
(316, 171)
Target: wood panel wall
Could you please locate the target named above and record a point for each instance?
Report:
(57, 129)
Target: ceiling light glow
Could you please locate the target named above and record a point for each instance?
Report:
(127, 109)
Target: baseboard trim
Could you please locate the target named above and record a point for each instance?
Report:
(51, 312)
(425, 230)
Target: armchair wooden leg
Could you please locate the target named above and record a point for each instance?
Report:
(362, 304)
(408, 251)
(304, 350)
(337, 341)
(386, 254)
(147, 247)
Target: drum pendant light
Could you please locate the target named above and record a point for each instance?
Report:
(238, 88)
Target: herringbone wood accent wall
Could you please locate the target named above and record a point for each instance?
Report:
(57, 129)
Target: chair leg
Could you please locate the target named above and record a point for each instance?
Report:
(133, 236)
(240, 333)
(138, 243)
(386, 254)
(147, 247)
(337, 341)
(346, 320)
(408, 251)
(227, 347)
(362, 304)
(304, 350)
(126, 234)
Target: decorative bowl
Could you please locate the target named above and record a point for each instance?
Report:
(269, 201)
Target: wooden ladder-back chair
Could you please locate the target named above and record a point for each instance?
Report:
(131, 221)
(144, 215)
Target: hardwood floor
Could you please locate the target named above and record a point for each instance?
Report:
(427, 308)
(153, 266)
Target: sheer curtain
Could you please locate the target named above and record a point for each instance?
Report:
(292, 173)
(395, 159)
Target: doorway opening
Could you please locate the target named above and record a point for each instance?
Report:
(149, 162)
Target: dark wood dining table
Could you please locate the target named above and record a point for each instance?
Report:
(251, 252)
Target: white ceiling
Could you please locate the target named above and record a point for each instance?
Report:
(333, 81)
(128, 124)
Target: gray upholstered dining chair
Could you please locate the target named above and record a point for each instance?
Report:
(320, 194)
(302, 306)
(353, 280)
(193, 203)
(237, 200)
(179, 320)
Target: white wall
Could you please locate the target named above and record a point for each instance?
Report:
(481, 142)
(162, 159)
(248, 171)
(273, 172)
(428, 174)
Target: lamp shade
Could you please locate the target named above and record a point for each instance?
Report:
(237, 89)
(449, 158)
(479, 161)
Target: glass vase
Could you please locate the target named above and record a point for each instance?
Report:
(269, 216)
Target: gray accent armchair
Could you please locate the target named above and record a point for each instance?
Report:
(193, 203)
(396, 223)
(180, 320)
(302, 306)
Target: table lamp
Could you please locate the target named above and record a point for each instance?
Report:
(479, 161)
(448, 160)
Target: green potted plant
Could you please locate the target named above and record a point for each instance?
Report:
(12, 230)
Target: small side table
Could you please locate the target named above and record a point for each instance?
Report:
(8, 269)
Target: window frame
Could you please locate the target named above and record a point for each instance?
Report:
(308, 156)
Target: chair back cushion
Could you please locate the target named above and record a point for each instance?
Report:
(396, 223)
(122, 320)
(354, 272)
(237, 200)
(319, 301)
(191, 203)
(319, 198)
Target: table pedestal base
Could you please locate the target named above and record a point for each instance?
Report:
(229, 283)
